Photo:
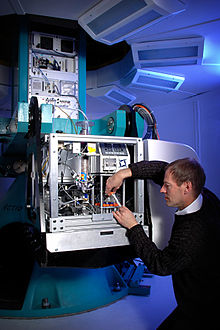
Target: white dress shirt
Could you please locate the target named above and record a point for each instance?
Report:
(193, 207)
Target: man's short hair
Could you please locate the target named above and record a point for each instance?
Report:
(188, 169)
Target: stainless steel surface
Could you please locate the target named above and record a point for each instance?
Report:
(53, 176)
(87, 238)
(79, 215)
(139, 184)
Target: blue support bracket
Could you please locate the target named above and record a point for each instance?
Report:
(23, 117)
(113, 124)
(46, 118)
(139, 124)
(64, 125)
(132, 275)
(63, 291)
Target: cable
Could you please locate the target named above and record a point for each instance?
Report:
(73, 172)
(81, 111)
(149, 117)
(57, 89)
(44, 76)
(43, 167)
(55, 65)
(83, 114)
(74, 126)
(62, 54)
(80, 108)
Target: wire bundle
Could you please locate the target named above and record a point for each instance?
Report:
(150, 119)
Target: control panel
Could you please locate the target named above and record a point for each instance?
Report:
(53, 73)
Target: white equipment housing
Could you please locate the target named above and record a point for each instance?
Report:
(111, 21)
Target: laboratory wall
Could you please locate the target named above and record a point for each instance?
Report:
(210, 138)
(196, 122)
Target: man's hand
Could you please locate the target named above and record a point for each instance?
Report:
(125, 217)
(115, 181)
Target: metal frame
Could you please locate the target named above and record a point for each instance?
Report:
(70, 233)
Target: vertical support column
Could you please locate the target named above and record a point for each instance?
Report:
(23, 60)
(13, 72)
(53, 176)
(139, 184)
(82, 72)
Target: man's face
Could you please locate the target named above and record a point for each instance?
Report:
(174, 194)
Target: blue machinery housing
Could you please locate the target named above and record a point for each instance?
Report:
(52, 290)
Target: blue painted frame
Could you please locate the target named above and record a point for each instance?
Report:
(82, 72)
(23, 60)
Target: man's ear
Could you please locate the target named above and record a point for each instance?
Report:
(187, 187)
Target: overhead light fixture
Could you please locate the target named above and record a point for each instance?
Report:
(111, 21)
(112, 94)
(158, 81)
(168, 52)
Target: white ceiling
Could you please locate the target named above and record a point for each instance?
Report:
(201, 18)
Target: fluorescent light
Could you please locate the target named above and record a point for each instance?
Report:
(112, 94)
(168, 52)
(111, 21)
(152, 80)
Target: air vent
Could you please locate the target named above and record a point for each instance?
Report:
(112, 94)
(152, 80)
(168, 52)
(111, 21)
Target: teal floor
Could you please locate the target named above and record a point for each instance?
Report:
(128, 313)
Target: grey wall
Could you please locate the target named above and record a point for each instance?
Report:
(196, 122)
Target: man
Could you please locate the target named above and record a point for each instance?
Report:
(192, 255)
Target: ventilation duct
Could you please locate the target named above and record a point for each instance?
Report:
(112, 94)
(111, 21)
(168, 52)
(152, 80)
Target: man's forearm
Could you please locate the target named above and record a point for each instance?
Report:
(153, 170)
(125, 173)
(115, 181)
